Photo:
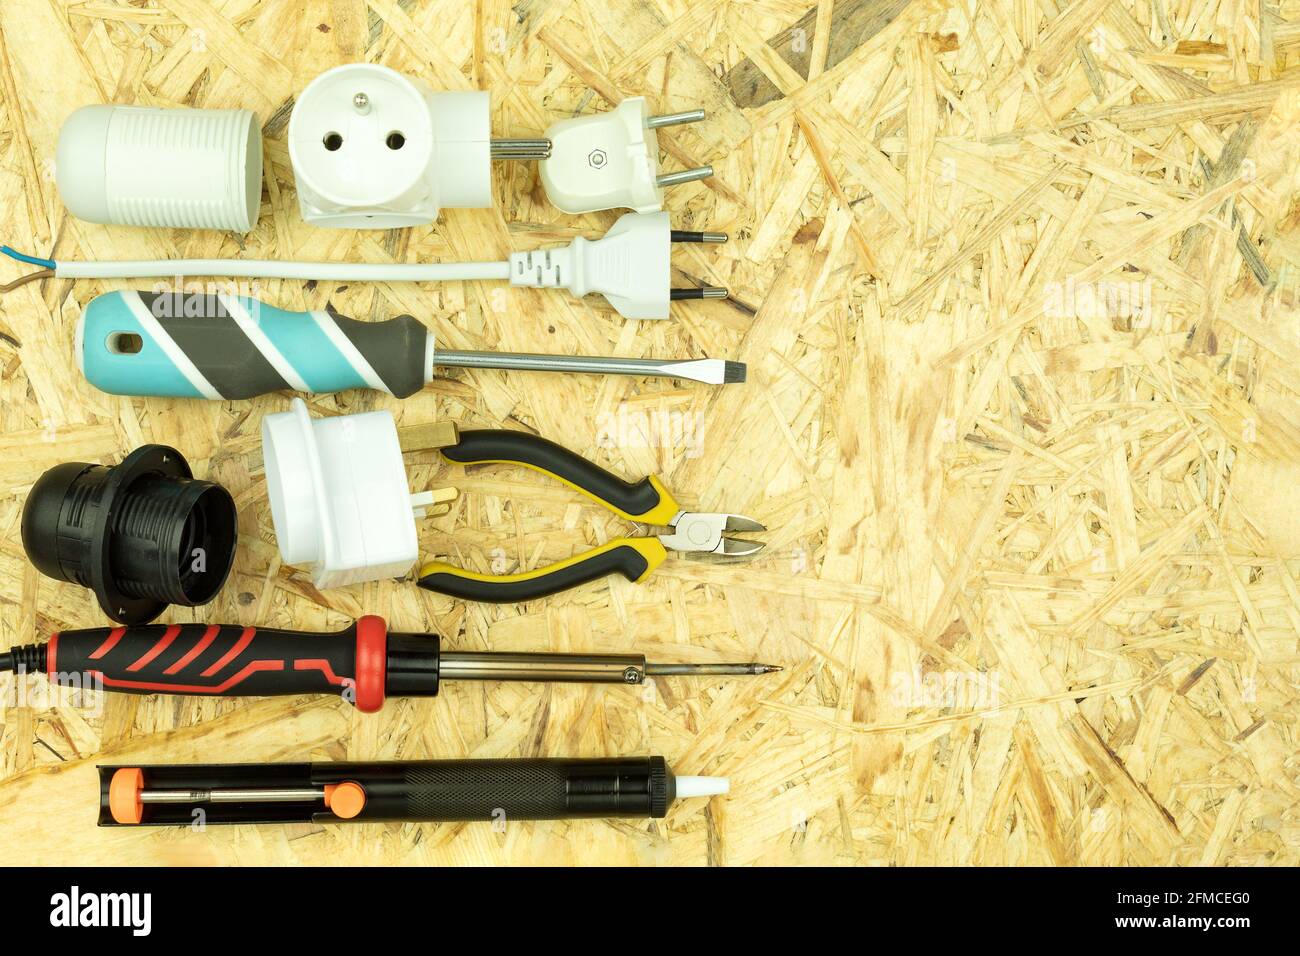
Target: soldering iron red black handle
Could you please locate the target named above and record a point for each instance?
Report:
(363, 663)
(222, 659)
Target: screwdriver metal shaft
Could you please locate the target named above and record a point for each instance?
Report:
(710, 371)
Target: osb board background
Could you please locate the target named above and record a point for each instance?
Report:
(1016, 284)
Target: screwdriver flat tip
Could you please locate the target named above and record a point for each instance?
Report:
(709, 371)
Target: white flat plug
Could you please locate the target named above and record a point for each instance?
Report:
(611, 160)
(629, 265)
(374, 149)
(340, 500)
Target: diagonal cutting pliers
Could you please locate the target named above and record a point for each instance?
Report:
(646, 501)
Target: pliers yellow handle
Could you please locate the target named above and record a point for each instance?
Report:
(646, 501)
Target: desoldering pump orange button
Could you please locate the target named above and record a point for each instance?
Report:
(124, 795)
(345, 799)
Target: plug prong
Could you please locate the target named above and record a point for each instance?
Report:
(706, 292)
(688, 235)
(521, 148)
(674, 119)
(683, 176)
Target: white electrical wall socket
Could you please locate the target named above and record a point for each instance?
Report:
(340, 501)
(611, 160)
(374, 149)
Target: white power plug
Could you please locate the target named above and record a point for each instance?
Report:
(611, 160)
(340, 501)
(629, 266)
(373, 149)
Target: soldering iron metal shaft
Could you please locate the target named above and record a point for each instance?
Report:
(579, 668)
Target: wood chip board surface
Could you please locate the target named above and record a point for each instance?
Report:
(1017, 285)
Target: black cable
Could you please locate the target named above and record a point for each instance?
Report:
(28, 658)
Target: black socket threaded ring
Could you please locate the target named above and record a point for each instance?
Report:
(142, 535)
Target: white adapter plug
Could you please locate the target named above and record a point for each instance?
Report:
(340, 501)
(611, 160)
(373, 149)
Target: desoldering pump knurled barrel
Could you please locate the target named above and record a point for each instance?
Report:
(414, 791)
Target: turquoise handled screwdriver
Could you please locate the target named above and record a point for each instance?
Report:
(192, 345)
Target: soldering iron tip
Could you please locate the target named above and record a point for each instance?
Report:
(701, 670)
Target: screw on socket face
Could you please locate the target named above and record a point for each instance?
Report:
(597, 158)
(362, 103)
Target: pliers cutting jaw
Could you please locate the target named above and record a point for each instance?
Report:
(647, 502)
(704, 533)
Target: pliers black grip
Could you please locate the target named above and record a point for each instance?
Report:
(646, 501)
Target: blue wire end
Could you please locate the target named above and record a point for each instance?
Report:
(30, 260)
